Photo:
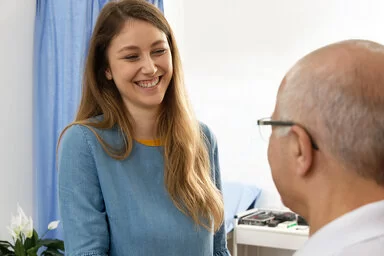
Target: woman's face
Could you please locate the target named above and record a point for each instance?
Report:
(140, 64)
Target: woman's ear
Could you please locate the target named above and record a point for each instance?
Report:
(108, 74)
(304, 157)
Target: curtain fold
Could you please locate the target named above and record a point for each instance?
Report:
(62, 32)
(158, 3)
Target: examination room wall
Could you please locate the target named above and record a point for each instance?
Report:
(16, 55)
(235, 54)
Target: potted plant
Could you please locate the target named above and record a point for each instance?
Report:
(26, 241)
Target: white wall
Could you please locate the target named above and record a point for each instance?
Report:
(16, 49)
(235, 54)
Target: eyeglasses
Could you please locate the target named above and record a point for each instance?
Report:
(265, 128)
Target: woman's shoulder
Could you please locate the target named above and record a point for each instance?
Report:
(72, 143)
(89, 131)
(208, 133)
(73, 132)
(76, 136)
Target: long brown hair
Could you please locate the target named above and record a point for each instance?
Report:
(187, 165)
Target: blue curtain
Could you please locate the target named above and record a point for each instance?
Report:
(62, 32)
(158, 3)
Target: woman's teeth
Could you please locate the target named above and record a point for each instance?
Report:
(148, 83)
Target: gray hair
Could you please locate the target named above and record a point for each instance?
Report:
(340, 101)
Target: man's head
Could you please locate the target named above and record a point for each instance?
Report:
(335, 97)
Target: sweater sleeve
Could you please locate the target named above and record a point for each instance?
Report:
(81, 203)
(220, 237)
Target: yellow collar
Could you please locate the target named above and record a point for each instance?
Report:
(151, 143)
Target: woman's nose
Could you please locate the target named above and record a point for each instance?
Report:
(149, 67)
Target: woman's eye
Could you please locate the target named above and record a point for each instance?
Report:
(131, 57)
(159, 52)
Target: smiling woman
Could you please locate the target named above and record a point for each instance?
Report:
(138, 174)
(140, 64)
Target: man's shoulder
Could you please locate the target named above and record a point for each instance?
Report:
(373, 246)
(355, 231)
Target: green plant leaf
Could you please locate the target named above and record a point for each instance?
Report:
(51, 244)
(4, 247)
(33, 251)
(52, 252)
(31, 242)
(6, 244)
(35, 235)
(5, 251)
(19, 248)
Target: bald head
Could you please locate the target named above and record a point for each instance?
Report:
(338, 93)
(345, 53)
(347, 61)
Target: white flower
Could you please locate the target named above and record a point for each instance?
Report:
(20, 224)
(22, 215)
(13, 234)
(53, 225)
(16, 224)
(28, 228)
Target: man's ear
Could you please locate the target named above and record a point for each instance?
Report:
(304, 150)
(108, 74)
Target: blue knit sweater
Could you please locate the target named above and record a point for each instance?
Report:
(121, 207)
